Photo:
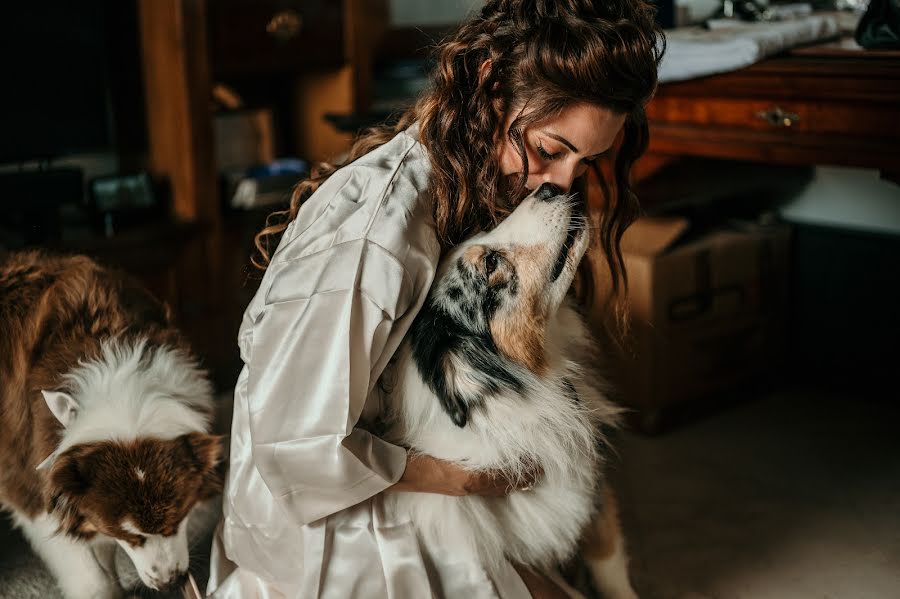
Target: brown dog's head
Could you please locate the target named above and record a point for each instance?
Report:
(140, 493)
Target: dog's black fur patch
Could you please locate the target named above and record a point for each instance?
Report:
(436, 335)
(563, 254)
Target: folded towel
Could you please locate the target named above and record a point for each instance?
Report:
(695, 52)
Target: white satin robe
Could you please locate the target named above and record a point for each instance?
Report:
(303, 514)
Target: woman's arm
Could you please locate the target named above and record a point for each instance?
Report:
(425, 474)
(331, 320)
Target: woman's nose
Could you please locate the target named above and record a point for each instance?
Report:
(562, 177)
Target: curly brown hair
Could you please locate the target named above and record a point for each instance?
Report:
(543, 56)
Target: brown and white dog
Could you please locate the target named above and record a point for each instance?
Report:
(104, 420)
(498, 372)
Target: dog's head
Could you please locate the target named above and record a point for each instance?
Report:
(487, 314)
(139, 493)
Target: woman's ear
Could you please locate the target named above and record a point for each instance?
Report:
(484, 70)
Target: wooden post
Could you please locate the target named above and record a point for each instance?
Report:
(177, 85)
(365, 24)
(178, 88)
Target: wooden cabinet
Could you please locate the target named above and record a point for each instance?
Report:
(304, 58)
(826, 104)
(264, 37)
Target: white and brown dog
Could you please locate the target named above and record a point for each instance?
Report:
(104, 421)
(498, 372)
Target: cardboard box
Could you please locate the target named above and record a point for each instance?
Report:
(706, 312)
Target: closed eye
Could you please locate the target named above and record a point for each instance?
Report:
(133, 539)
(490, 262)
(132, 534)
(545, 154)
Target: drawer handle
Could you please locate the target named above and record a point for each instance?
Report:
(284, 25)
(778, 117)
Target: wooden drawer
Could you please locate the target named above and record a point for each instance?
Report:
(250, 37)
(788, 110)
(789, 117)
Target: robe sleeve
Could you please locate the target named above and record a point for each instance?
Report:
(318, 346)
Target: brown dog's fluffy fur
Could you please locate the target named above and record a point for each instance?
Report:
(55, 311)
(59, 314)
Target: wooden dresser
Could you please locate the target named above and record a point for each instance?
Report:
(831, 103)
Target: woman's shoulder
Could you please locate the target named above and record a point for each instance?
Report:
(402, 159)
(402, 152)
(379, 200)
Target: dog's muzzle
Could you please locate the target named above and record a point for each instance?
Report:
(547, 192)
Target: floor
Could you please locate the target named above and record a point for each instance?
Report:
(23, 575)
(793, 495)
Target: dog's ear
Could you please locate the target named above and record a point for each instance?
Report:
(447, 388)
(62, 405)
(73, 470)
(68, 482)
(440, 376)
(434, 338)
(456, 408)
(208, 454)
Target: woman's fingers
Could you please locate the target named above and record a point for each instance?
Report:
(495, 483)
(488, 483)
(533, 474)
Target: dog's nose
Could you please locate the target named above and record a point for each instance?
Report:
(548, 191)
(174, 584)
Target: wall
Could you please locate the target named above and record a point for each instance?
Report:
(697, 10)
(406, 13)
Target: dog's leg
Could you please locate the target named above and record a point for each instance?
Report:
(603, 549)
(547, 585)
(558, 580)
(71, 562)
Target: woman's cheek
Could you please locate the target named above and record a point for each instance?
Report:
(535, 163)
(511, 161)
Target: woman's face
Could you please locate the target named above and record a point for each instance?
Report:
(560, 149)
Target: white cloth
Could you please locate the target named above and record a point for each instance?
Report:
(303, 517)
(695, 52)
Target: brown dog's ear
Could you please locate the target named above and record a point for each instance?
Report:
(71, 473)
(206, 450)
(69, 481)
(208, 455)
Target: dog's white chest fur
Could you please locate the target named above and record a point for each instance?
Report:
(552, 423)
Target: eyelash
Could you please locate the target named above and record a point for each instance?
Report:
(136, 540)
(544, 154)
(547, 156)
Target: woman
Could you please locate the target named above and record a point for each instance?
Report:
(528, 92)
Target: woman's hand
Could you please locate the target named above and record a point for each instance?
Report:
(425, 474)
